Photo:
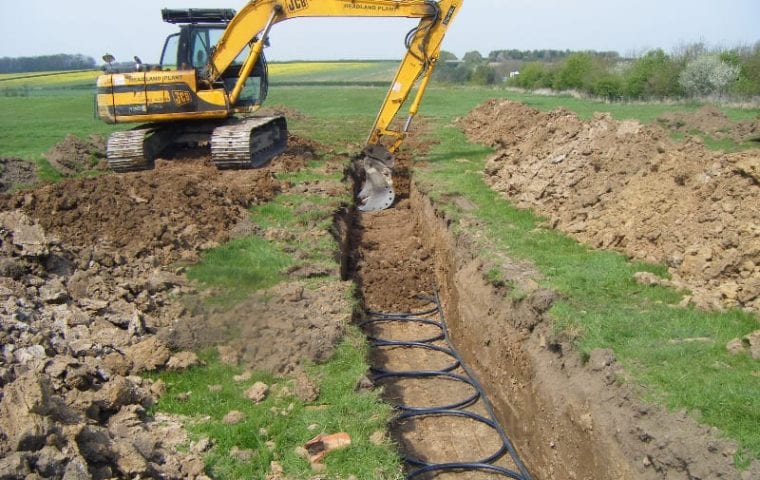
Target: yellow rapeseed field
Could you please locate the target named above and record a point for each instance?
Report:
(320, 71)
(305, 68)
(39, 79)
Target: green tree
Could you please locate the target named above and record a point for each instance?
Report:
(452, 72)
(748, 60)
(653, 75)
(473, 58)
(531, 76)
(446, 56)
(484, 75)
(575, 73)
(608, 85)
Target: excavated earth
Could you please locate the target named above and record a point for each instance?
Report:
(91, 277)
(630, 187)
(91, 271)
(393, 265)
(14, 172)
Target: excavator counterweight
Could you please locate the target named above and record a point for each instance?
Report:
(212, 80)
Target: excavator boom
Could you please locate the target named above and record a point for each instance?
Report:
(215, 89)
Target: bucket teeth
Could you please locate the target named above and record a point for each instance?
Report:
(377, 190)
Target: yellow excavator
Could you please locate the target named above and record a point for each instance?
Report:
(212, 78)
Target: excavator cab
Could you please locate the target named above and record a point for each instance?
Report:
(192, 46)
(214, 68)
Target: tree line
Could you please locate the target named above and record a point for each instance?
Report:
(46, 63)
(691, 71)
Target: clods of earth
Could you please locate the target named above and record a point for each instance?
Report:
(89, 282)
(89, 275)
(629, 186)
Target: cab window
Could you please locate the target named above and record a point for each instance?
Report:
(170, 53)
(203, 40)
(200, 47)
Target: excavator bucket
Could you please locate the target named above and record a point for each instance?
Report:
(376, 192)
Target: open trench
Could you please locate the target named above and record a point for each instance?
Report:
(562, 417)
(445, 425)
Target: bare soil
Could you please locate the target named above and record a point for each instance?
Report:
(277, 330)
(15, 172)
(628, 186)
(75, 155)
(712, 121)
(392, 267)
(89, 289)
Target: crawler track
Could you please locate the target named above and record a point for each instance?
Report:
(250, 143)
(235, 144)
(130, 151)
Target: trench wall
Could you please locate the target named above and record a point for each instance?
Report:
(568, 419)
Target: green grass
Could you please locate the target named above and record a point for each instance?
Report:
(251, 263)
(604, 307)
(234, 271)
(30, 126)
(719, 144)
(284, 419)
(239, 267)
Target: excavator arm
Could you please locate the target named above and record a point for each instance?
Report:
(251, 26)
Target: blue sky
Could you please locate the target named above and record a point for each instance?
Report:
(134, 27)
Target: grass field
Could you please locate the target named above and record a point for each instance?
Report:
(332, 72)
(602, 305)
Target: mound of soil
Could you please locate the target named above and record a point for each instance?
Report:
(75, 155)
(14, 171)
(713, 121)
(176, 209)
(628, 186)
(77, 327)
(88, 300)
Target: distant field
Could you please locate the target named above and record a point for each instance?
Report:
(43, 79)
(288, 72)
(333, 72)
(46, 106)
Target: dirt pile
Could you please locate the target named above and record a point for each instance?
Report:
(88, 299)
(14, 171)
(168, 213)
(713, 121)
(75, 155)
(77, 328)
(628, 186)
(278, 330)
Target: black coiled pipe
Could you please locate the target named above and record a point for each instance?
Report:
(410, 412)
